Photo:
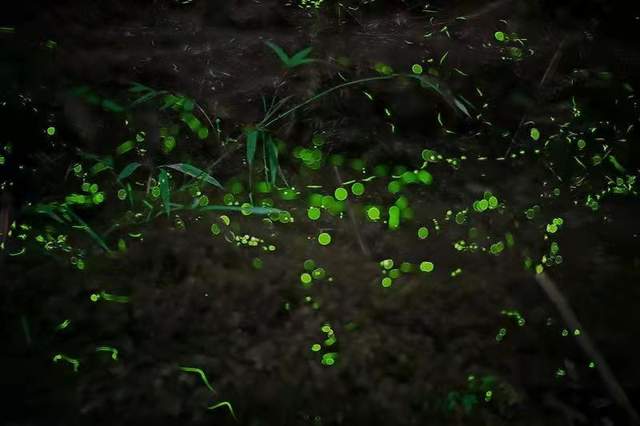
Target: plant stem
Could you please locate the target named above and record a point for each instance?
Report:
(321, 94)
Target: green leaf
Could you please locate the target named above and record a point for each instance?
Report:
(252, 143)
(169, 101)
(195, 172)
(165, 190)
(125, 147)
(300, 58)
(144, 98)
(83, 225)
(128, 170)
(272, 158)
(614, 162)
(111, 105)
(50, 210)
(138, 88)
(253, 210)
(100, 166)
(279, 52)
(383, 68)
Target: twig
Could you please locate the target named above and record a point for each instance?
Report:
(587, 345)
(553, 64)
(365, 250)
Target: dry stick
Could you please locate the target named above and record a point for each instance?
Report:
(482, 11)
(365, 250)
(587, 345)
(553, 64)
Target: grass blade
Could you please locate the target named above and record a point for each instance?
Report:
(195, 172)
(128, 170)
(165, 190)
(83, 225)
(252, 143)
(280, 53)
(300, 57)
(272, 158)
(253, 209)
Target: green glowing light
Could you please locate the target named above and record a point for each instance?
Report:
(535, 134)
(394, 217)
(426, 266)
(357, 189)
(373, 213)
(416, 69)
(318, 273)
(200, 373)
(387, 263)
(329, 358)
(51, 131)
(425, 177)
(423, 232)
(324, 239)
(313, 213)
(341, 194)
(394, 186)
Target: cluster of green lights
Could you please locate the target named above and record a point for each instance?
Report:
(335, 205)
(554, 257)
(311, 4)
(392, 273)
(462, 245)
(488, 201)
(512, 313)
(409, 177)
(311, 272)
(555, 225)
(92, 197)
(312, 158)
(328, 358)
(477, 389)
(511, 46)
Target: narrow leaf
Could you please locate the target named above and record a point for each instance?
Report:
(128, 170)
(165, 191)
(300, 57)
(461, 107)
(272, 158)
(278, 51)
(252, 143)
(195, 172)
(137, 88)
(253, 210)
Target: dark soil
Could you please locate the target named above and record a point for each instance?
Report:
(405, 353)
